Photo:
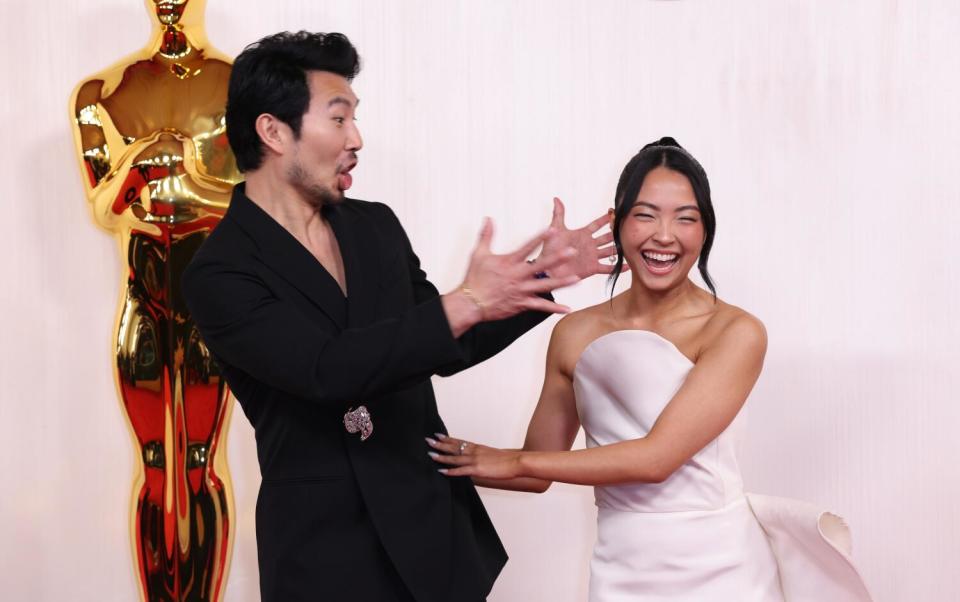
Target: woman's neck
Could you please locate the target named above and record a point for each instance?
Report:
(645, 305)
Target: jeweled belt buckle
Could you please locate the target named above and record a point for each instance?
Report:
(358, 421)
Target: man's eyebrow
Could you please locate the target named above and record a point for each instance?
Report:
(342, 100)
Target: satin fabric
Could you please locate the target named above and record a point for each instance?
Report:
(696, 536)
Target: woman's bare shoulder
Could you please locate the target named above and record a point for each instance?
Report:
(576, 330)
(732, 324)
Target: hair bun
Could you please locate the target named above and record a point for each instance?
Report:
(665, 141)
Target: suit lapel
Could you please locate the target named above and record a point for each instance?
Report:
(284, 255)
(358, 248)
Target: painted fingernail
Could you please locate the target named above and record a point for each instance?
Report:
(440, 436)
(442, 470)
(433, 455)
(431, 441)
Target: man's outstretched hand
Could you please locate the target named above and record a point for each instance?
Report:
(499, 286)
(590, 249)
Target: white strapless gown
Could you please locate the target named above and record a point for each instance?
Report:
(696, 537)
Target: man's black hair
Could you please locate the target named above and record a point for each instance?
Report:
(270, 76)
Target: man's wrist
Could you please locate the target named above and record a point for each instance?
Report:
(473, 298)
(463, 311)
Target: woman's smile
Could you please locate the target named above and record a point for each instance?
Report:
(659, 263)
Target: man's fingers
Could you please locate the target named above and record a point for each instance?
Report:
(608, 268)
(607, 251)
(550, 261)
(545, 285)
(598, 223)
(528, 248)
(558, 213)
(486, 234)
(604, 239)
(545, 306)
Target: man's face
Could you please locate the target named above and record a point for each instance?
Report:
(326, 151)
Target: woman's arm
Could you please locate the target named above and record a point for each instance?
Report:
(705, 405)
(554, 423)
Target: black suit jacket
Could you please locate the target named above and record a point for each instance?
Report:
(337, 518)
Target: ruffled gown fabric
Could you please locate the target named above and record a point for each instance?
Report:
(696, 536)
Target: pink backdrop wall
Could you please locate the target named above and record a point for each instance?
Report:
(830, 132)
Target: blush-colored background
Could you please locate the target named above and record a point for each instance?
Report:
(830, 132)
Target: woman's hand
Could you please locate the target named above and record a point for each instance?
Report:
(466, 459)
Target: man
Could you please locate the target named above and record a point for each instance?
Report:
(328, 331)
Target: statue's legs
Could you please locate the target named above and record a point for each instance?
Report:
(177, 405)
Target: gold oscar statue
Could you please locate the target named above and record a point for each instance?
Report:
(158, 171)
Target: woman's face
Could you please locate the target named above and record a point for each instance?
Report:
(662, 235)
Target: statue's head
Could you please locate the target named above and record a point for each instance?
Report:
(173, 12)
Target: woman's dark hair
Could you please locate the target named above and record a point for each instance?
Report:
(665, 152)
(270, 76)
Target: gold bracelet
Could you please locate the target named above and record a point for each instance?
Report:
(473, 297)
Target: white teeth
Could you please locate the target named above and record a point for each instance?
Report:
(660, 256)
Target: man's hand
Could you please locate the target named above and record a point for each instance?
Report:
(590, 249)
(501, 286)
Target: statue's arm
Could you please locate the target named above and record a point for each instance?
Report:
(105, 157)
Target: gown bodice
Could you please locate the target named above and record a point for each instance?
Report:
(696, 536)
(622, 382)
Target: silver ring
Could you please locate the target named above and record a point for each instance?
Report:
(463, 446)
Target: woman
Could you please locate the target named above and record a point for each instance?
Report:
(656, 378)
